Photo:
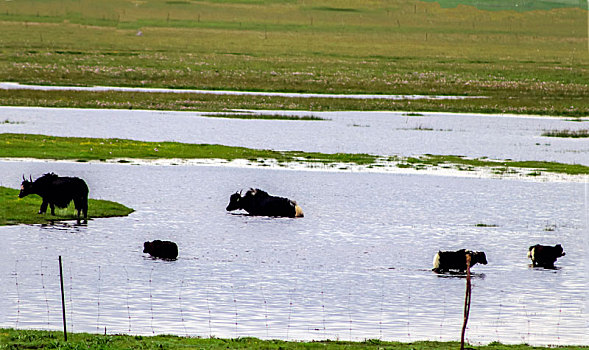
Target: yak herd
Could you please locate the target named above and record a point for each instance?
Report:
(57, 191)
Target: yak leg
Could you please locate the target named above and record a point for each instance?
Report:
(52, 208)
(82, 206)
(43, 208)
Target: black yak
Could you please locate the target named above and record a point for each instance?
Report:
(58, 192)
(258, 202)
(544, 255)
(161, 249)
(445, 261)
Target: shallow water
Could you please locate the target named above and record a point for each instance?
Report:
(17, 86)
(356, 267)
(380, 133)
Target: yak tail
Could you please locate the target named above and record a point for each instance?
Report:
(298, 212)
(436, 262)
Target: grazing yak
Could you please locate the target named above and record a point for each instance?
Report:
(258, 202)
(57, 191)
(161, 249)
(446, 261)
(544, 255)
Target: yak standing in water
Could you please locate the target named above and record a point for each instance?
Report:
(446, 261)
(161, 249)
(258, 202)
(544, 255)
(58, 192)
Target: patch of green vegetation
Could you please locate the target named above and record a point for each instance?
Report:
(567, 133)
(77, 148)
(8, 121)
(537, 166)
(24, 210)
(85, 149)
(263, 116)
(32, 339)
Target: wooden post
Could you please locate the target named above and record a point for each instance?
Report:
(62, 300)
(466, 301)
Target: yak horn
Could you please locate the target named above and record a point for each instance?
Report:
(30, 178)
(23, 177)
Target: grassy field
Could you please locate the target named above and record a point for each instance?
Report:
(28, 339)
(85, 149)
(24, 210)
(533, 62)
(514, 5)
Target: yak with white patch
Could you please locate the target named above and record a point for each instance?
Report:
(544, 255)
(57, 191)
(446, 261)
(161, 249)
(258, 202)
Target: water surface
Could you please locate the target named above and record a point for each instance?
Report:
(380, 133)
(357, 266)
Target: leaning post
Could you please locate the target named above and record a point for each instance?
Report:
(62, 300)
(466, 301)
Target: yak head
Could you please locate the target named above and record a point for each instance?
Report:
(477, 258)
(559, 251)
(26, 187)
(234, 202)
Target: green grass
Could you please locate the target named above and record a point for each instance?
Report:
(514, 5)
(16, 210)
(85, 149)
(532, 62)
(567, 133)
(32, 339)
(502, 166)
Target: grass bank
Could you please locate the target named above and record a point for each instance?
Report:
(498, 166)
(30, 339)
(533, 62)
(24, 210)
(85, 149)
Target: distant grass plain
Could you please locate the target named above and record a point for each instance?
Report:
(528, 57)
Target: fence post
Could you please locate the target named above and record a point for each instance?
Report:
(466, 302)
(62, 300)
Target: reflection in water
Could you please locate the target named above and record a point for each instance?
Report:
(452, 274)
(66, 225)
(358, 266)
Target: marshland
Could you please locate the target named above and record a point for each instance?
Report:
(358, 265)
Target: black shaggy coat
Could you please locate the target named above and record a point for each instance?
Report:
(161, 249)
(57, 191)
(446, 261)
(258, 202)
(544, 255)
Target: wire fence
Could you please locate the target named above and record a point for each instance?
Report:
(144, 305)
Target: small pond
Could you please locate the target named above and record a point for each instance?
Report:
(356, 267)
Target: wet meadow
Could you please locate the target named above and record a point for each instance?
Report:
(358, 265)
